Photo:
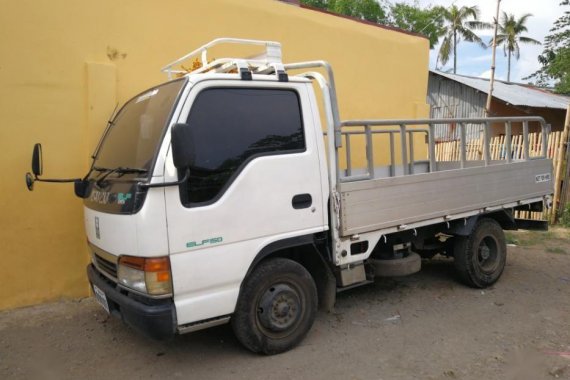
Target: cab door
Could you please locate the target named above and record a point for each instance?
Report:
(256, 180)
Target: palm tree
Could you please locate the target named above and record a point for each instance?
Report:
(459, 27)
(510, 30)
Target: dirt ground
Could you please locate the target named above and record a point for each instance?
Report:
(425, 326)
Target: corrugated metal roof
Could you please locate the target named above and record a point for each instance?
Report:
(450, 99)
(512, 93)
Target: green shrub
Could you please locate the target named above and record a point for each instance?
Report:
(565, 218)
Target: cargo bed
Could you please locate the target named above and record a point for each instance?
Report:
(394, 203)
(410, 194)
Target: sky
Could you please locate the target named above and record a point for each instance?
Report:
(474, 61)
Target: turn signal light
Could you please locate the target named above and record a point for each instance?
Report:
(147, 275)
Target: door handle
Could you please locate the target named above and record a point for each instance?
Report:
(300, 201)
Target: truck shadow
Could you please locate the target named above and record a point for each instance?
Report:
(379, 308)
(220, 341)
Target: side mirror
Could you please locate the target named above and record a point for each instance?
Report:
(37, 167)
(37, 170)
(183, 148)
(37, 163)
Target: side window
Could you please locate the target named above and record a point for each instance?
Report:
(231, 127)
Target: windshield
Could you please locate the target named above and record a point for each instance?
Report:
(135, 133)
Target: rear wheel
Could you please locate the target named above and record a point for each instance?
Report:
(276, 307)
(480, 258)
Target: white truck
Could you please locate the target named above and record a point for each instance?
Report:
(218, 197)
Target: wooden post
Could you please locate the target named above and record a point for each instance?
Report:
(565, 192)
(558, 169)
(492, 81)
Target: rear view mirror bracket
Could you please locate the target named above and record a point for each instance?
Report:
(37, 171)
(181, 181)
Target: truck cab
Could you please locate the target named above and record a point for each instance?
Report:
(257, 179)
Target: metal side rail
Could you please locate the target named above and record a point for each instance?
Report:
(370, 128)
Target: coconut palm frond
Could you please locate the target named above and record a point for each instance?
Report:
(469, 36)
(517, 51)
(500, 39)
(522, 21)
(530, 41)
(445, 49)
(479, 25)
(466, 12)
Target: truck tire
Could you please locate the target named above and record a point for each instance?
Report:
(480, 257)
(276, 307)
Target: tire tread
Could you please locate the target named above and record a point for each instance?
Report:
(463, 253)
(243, 321)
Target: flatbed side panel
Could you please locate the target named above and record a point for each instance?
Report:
(389, 202)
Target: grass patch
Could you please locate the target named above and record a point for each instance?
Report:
(532, 238)
(524, 238)
(565, 218)
(557, 250)
(511, 238)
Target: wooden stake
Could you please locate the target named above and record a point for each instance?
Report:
(519, 147)
(558, 170)
(492, 81)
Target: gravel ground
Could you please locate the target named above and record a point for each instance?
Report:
(425, 326)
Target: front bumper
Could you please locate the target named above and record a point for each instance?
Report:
(155, 318)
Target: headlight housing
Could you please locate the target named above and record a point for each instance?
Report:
(146, 275)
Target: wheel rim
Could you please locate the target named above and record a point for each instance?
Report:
(279, 310)
(488, 255)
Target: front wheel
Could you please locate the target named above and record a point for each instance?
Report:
(480, 257)
(276, 307)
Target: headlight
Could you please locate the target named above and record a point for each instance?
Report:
(147, 275)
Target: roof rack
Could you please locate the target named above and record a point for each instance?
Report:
(269, 61)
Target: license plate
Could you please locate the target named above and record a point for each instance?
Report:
(101, 298)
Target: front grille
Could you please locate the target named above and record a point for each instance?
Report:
(106, 266)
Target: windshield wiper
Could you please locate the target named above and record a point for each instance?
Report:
(119, 169)
(100, 169)
(110, 123)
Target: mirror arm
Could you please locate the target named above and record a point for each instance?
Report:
(31, 179)
(176, 183)
(62, 180)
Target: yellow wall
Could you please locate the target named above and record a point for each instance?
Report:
(64, 64)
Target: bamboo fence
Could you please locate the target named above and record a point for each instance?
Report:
(450, 151)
